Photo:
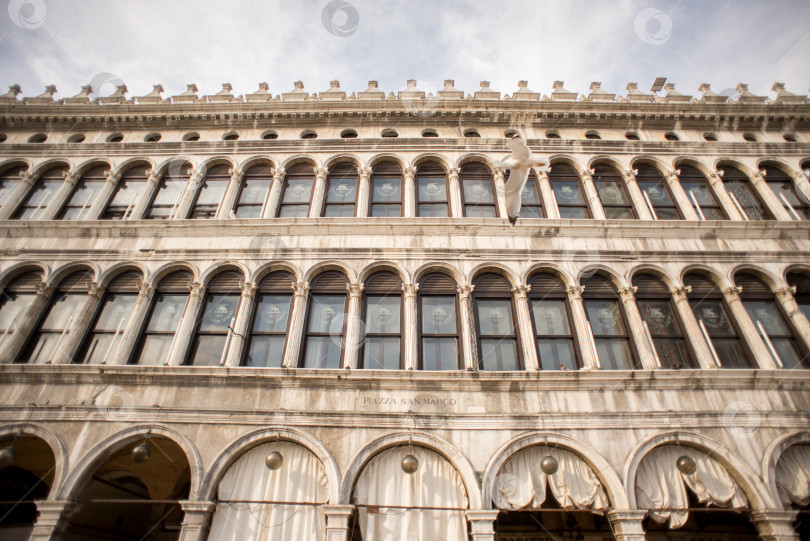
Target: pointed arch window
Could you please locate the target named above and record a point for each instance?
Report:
(210, 193)
(608, 324)
(782, 186)
(270, 323)
(700, 194)
(801, 281)
(324, 331)
(297, 193)
(41, 194)
(386, 190)
(477, 191)
(552, 323)
(656, 193)
(131, 185)
(744, 195)
(432, 194)
(168, 305)
(215, 319)
(17, 297)
(86, 189)
(770, 322)
(254, 192)
(341, 191)
(496, 326)
(107, 329)
(613, 193)
(565, 184)
(661, 322)
(58, 321)
(438, 323)
(169, 192)
(382, 313)
(9, 180)
(532, 201)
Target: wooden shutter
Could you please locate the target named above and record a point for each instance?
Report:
(226, 282)
(176, 282)
(27, 282)
(13, 173)
(491, 283)
(259, 171)
(126, 282)
(598, 286)
(330, 282)
(606, 172)
(437, 283)
(561, 171)
(387, 169)
(76, 282)
(343, 170)
(301, 170)
(648, 172)
(701, 286)
(475, 170)
(136, 173)
(277, 282)
(752, 286)
(799, 280)
(430, 169)
(690, 173)
(384, 282)
(545, 283)
(650, 286)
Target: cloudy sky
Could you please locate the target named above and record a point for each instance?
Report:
(73, 42)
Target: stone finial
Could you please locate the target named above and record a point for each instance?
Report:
(636, 95)
(373, 92)
(673, 96)
(223, 95)
(708, 96)
(82, 98)
(263, 94)
(189, 96)
(450, 92)
(783, 96)
(559, 93)
(524, 93)
(411, 92)
(117, 97)
(486, 93)
(11, 96)
(153, 97)
(297, 93)
(334, 92)
(745, 96)
(46, 98)
(599, 95)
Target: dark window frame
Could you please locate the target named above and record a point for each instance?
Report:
(692, 175)
(628, 333)
(376, 172)
(569, 177)
(307, 334)
(445, 176)
(271, 289)
(458, 336)
(307, 172)
(612, 175)
(373, 291)
(538, 294)
(477, 175)
(237, 204)
(329, 178)
(164, 287)
(479, 337)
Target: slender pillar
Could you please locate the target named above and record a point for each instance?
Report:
(750, 333)
(646, 356)
(466, 317)
(100, 201)
(23, 187)
(271, 209)
(12, 346)
(767, 196)
(454, 184)
(482, 524)
(636, 196)
(701, 348)
(225, 208)
(785, 297)
(722, 196)
(141, 205)
(627, 524)
(679, 195)
(500, 192)
(409, 192)
(316, 207)
(58, 199)
(592, 196)
(775, 525)
(196, 520)
(66, 353)
(337, 521)
(182, 337)
(549, 201)
(54, 517)
(363, 191)
(355, 335)
(187, 199)
(587, 347)
(240, 326)
(802, 184)
(301, 292)
(409, 327)
(524, 323)
(133, 327)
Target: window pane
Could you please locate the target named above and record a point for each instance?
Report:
(6, 187)
(788, 353)
(341, 190)
(218, 312)
(567, 193)
(43, 193)
(254, 191)
(659, 317)
(556, 353)
(530, 195)
(117, 308)
(381, 353)
(714, 317)
(438, 315)
(613, 213)
(294, 211)
(327, 314)
(712, 214)
(211, 192)
(272, 313)
(530, 212)
(477, 191)
(432, 189)
(63, 310)
(669, 214)
(382, 315)
(805, 308)
(386, 211)
(167, 313)
(126, 193)
(386, 190)
(550, 317)
(671, 352)
(99, 344)
(495, 317)
(730, 353)
(298, 190)
(573, 213)
(252, 211)
(15, 306)
(479, 212)
(701, 193)
(614, 354)
(657, 193)
(155, 349)
(322, 352)
(499, 355)
(611, 193)
(339, 211)
(433, 211)
(85, 193)
(746, 199)
(439, 354)
(44, 347)
(208, 351)
(169, 192)
(605, 317)
(766, 313)
(266, 351)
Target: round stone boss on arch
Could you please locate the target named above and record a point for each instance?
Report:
(52, 440)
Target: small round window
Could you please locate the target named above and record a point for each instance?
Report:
(390, 133)
(38, 138)
(76, 138)
(430, 133)
(309, 134)
(789, 137)
(348, 134)
(712, 138)
(152, 138)
(115, 138)
(632, 136)
(231, 136)
(552, 135)
(471, 133)
(269, 135)
(750, 137)
(592, 135)
(510, 133)
(671, 137)
(192, 136)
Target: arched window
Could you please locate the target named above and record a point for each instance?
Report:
(386, 190)
(477, 191)
(327, 310)
(341, 191)
(432, 191)
(9, 180)
(553, 326)
(271, 316)
(801, 281)
(656, 193)
(210, 193)
(297, 191)
(86, 189)
(438, 323)
(740, 190)
(382, 314)
(168, 304)
(132, 184)
(495, 324)
(661, 322)
(215, 319)
(169, 191)
(568, 192)
(612, 193)
(41, 194)
(107, 329)
(700, 194)
(795, 203)
(770, 322)
(254, 192)
(532, 201)
(718, 328)
(17, 297)
(58, 320)
(608, 324)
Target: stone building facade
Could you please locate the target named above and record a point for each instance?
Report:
(333, 278)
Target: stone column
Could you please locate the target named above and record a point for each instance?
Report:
(409, 192)
(524, 327)
(680, 197)
(454, 186)
(13, 345)
(301, 292)
(410, 331)
(55, 202)
(467, 319)
(352, 339)
(182, 336)
(318, 193)
(636, 324)
(587, 347)
(547, 194)
(363, 191)
(100, 201)
(132, 329)
(705, 358)
(500, 192)
(54, 516)
(141, 205)
(240, 325)
(785, 297)
(749, 331)
(228, 200)
(592, 196)
(775, 525)
(482, 524)
(801, 182)
(627, 524)
(187, 199)
(26, 181)
(196, 520)
(772, 202)
(723, 198)
(271, 208)
(636, 197)
(66, 353)
(337, 521)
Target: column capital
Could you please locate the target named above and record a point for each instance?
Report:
(775, 525)
(465, 291)
(542, 174)
(410, 290)
(95, 289)
(629, 175)
(28, 178)
(585, 175)
(236, 174)
(113, 177)
(300, 289)
(279, 173)
(521, 291)
(498, 174)
(249, 289)
(628, 293)
(732, 293)
(153, 176)
(800, 176)
(45, 289)
(453, 172)
(364, 172)
(355, 290)
(196, 177)
(71, 177)
(320, 173)
(627, 524)
(409, 171)
(482, 523)
(197, 506)
(196, 288)
(575, 292)
(680, 293)
(757, 178)
(671, 177)
(146, 290)
(785, 293)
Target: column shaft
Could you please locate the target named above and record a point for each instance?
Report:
(681, 199)
(636, 196)
(723, 198)
(705, 358)
(316, 207)
(454, 185)
(482, 524)
(337, 521)
(762, 355)
(296, 324)
(228, 200)
(800, 323)
(500, 192)
(69, 348)
(636, 325)
(468, 339)
(409, 347)
(20, 191)
(363, 191)
(587, 347)
(775, 525)
(196, 520)
(100, 200)
(190, 193)
(271, 208)
(352, 340)
(53, 519)
(54, 204)
(409, 192)
(549, 201)
(592, 196)
(767, 196)
(133, 326)
(14, 344)
(182, 337)
(240, 326)
(524, 324)
(141, 204)
(627, 524)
